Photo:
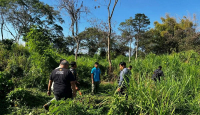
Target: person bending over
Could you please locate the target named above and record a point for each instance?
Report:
(157, 74)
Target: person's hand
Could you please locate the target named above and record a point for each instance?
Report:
(48, 93)
(118, 89)
(77, 88)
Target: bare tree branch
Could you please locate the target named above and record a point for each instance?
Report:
(10, 31)
(113, 8)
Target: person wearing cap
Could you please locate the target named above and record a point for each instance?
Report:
(64, 82)
(95, 76)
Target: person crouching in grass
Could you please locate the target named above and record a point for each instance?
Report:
(95, 76)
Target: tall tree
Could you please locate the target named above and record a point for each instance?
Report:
(140, 24)
(4, 6)
(74, 11)
(171, 36)
(92, 39)
(2, 24)
(127, 30)
(22, 14)
(110, 14)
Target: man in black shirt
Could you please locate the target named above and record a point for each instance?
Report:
(157, 74)
(46, 106)
(64, 82)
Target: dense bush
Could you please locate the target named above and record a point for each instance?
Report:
(21, 97)
(6, 84)
(86, 105)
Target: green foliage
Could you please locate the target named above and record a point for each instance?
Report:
(171, 36)
(7, 43)
(6, 84)
(20, 97)
(23, 14)
(177, 93)
(86, 105)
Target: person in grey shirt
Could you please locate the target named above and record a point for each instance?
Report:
(123, 79)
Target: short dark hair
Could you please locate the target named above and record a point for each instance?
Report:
(122, 64)
(64, 62)
(96, 63)
(130, 66)
(61, 60)
(73, 64)
(160, 67)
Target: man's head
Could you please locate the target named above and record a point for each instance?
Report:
(64, 64)
(73, 65)
(130, 67)
(160, 67)
(122, 65)
(96, 64)
(61, 60)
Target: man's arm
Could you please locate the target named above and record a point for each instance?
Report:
(49, 88)
(121, 79)
(73, 88)
(92, 77)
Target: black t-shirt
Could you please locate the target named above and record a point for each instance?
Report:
(158, 73)
(74, 73)
(62, 78)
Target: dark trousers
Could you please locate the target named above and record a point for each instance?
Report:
(157, 78)
(123, 91)
(95, 87)
(59, 96)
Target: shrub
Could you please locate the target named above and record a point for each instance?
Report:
(21, 97)
(6, 84)
(83, 106)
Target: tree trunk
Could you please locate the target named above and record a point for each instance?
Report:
(77, 48)
(130, 50)
(2, 26)
(136, 54)
(109, 35)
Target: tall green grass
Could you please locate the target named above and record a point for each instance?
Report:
(178, 92)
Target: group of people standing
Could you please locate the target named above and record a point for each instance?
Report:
(63, 80)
